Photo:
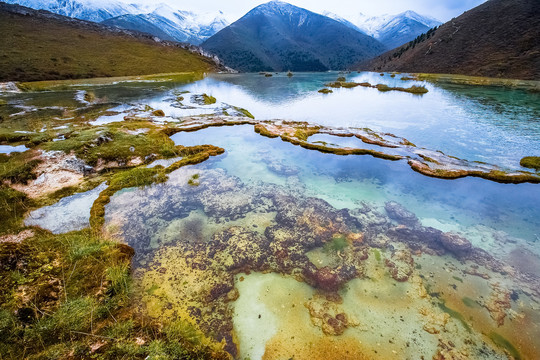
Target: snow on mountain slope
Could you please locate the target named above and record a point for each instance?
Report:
(157, 19)
(94, 10)
(395, 30)
(169, 24)
(277, 36)
(343, 21)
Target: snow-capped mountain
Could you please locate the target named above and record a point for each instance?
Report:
(395, 30)
(95, 10)
(278, 36)
(344, 21)
(169, 24)
(159, 19)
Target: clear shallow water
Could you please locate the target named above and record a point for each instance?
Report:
(482, 123)
(265, 199)
(6, 149)
(276, 315)
(69, 214)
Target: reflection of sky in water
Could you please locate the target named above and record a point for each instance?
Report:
(69, 214)
(7, 149)
(497, 127)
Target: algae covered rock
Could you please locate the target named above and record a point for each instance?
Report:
(455, 243)
(403, 216)
(531, 162)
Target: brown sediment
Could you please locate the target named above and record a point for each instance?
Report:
(378, 142)
(196, 124)
(300, 226)
(57, 170)
(318, 349)
(340, 151)
(498, 303)
(442, 167)
(17, 238)
(500, 176)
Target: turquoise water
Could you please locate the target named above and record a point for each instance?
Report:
(240, 189)
(232, 242)
(347, 181)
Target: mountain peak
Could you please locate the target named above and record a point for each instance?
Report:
(279, 36)
(277, 7)
(423, 19)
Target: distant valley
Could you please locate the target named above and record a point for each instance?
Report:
(298, 50)
(277, 36)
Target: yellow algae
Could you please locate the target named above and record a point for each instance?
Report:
(346, 348)
(269, 305)
(478, 80)
(479, 291)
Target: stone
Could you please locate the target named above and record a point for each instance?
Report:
(455, 243)
(398, 213)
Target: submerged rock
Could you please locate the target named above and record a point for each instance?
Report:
(455, 243)
(400, 265)
(399, 213)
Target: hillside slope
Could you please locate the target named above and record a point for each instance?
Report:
(38, 45)
(278, 36)
(499, 38)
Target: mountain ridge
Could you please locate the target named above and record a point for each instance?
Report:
(496, 39)
(159, 19)
(40, 45)
(278, 36)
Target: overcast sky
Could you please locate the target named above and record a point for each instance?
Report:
(442, 10)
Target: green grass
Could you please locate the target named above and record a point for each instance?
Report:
(532, 162)
(13, 206)
(304, 133)
(91, 278)
(419, 90)
(118, 145)
(31, 51)
(17, 167)
(208, 99)
(245, 112)
(142, 176)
